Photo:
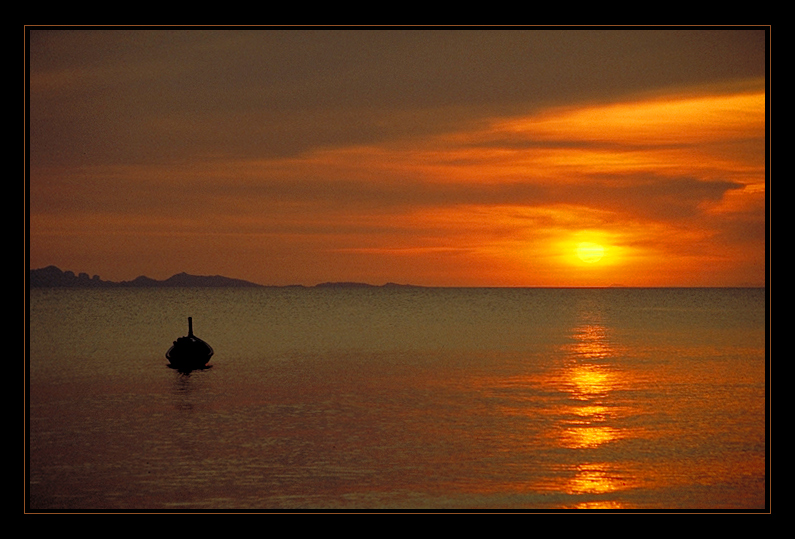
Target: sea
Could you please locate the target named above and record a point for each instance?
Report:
(399, 399)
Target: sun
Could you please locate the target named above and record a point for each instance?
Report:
(590, 252)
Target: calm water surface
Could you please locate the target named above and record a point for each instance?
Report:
(399, 399)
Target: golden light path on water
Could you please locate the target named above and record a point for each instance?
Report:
(590, 379)
(586, 416)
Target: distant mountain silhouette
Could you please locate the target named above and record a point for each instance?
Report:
(344, 285)
(52, 276)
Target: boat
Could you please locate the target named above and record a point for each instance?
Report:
(189, 352)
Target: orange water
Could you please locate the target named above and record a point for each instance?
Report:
(399, 399)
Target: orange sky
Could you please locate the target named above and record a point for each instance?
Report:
(142, 163)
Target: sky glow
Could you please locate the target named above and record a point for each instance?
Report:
(438, 158)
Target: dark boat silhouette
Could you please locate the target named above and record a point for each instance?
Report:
(189, 352)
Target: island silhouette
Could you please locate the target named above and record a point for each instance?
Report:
(51, 276)
(54, 277)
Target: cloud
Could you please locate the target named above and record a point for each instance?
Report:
(458, 151)
(124, 96)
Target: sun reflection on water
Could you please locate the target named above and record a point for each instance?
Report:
(583, 395)
(591, 342)
(589, 419)
(586, 382)
(594, 481)
(580, 437)
(594, 478)
(584, 421)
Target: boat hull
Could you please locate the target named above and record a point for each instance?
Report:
(189, 353)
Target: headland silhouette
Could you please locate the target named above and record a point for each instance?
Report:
(54, 277)
(51, 276)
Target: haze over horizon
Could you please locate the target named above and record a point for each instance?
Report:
(531, 157)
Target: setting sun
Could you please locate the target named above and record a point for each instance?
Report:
(590, 252)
